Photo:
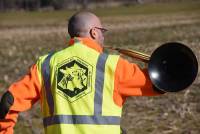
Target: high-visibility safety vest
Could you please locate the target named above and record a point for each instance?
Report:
(78, 91)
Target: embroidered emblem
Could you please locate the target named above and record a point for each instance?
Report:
(74, 78)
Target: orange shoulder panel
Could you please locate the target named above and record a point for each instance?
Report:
(130, 80)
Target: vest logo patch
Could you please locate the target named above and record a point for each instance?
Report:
(74, 79)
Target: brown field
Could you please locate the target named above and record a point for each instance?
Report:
(26, 36)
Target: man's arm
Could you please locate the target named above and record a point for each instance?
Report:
(130, 80)
(20, 97)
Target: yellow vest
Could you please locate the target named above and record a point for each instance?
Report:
(77, 97)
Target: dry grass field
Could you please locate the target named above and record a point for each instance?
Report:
(24, 36)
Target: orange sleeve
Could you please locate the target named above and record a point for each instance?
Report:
(130, 80)
(7, 125)
(25, 92)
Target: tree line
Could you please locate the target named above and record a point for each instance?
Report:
(55, 4)
(61, 4)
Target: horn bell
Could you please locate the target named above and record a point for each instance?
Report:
(172, 67)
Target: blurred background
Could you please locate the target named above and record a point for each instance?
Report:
(31, 28)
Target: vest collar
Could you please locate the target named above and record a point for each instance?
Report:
(88, 42)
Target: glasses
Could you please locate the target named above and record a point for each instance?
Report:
(103, 30)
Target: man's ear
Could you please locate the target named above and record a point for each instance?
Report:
(93, 33)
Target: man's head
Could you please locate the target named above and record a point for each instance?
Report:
(86, 24)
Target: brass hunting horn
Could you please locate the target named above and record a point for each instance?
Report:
(172, 67)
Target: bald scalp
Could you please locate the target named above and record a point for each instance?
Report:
(80, 24)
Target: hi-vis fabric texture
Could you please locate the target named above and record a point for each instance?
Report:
(78, 91)
(81, 90)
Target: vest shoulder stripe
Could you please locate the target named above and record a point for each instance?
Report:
(99, 83)
(47, 83)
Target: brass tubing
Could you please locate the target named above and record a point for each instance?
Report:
(131, 53)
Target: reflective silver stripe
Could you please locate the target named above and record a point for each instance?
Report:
(47, 82)
(97, 118)
(99, 83)
(81, 119)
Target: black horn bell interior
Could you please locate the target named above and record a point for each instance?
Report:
(172, 67)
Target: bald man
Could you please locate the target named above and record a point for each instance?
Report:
(81, 89)
(85, 24)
